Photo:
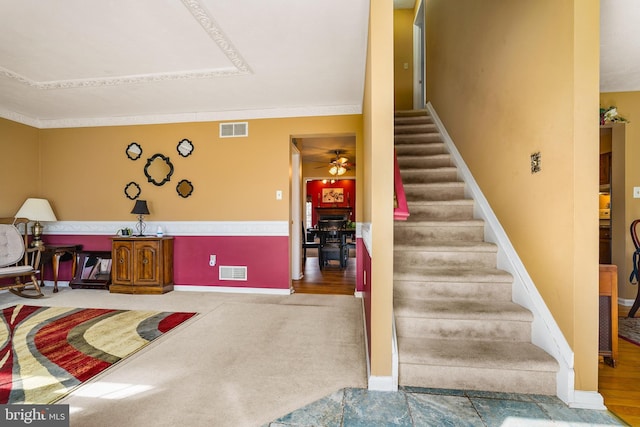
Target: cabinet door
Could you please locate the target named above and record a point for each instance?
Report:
(605, 168)
(121, 266)
(147, 259)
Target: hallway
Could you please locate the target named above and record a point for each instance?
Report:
(331, 280)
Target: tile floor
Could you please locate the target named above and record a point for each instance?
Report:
(353, 407)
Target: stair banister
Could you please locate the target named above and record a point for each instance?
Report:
(400, 208)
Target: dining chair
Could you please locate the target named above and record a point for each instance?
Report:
(306, 244)
(333, 245)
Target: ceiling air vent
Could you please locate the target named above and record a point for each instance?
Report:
(234, 130)
(233, 273)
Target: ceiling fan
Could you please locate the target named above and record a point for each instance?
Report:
(339, 165)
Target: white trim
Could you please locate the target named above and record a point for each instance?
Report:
(365, 232)
(358, 294)
(382, 383)
(394, 353)
(174, 228)
(626, 302)
(232, 290)
(588, 400)
(204, 288)
(544, 330)
(204, 116)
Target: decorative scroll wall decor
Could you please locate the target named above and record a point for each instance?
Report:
(134, 151)
(184, 188)
(158, 169)
(185, 148)
(132, 190)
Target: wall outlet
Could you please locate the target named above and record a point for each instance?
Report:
(212, 260)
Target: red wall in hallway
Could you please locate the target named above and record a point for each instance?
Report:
(314, 195)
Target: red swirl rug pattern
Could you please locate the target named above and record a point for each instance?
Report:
(45, 352)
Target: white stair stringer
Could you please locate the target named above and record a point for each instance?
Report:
(456, 321)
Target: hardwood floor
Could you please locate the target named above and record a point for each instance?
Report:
(330, 280)
(620, 386)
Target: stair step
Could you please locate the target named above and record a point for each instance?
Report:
(455, 275)
(437, 290)
(412, 113)
(434, 191)
(462, 309)
(512, 367)
(420, 149)
(413, 128)
(451, 254)
(416, 232)
(463, 319)
(424, 162)
(417, 138)
(440, 209)
(442, 174)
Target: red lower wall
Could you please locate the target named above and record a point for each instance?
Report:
(266, 258)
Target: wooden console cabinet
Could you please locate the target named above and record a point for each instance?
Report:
(142, 265)
(608, 324)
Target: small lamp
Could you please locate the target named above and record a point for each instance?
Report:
(36, 210)
(140, 209)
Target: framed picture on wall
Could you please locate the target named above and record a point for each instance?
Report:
(332, 195)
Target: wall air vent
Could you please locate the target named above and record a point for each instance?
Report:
(232, 273)
(234, 130)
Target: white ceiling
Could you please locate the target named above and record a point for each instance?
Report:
(96, 62)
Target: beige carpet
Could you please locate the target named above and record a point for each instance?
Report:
(244, 361)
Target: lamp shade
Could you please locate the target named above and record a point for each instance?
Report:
(140, 208)
(36, 210)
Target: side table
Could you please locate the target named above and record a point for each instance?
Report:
(53, 254)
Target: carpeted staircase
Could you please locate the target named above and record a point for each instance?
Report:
(456, 325)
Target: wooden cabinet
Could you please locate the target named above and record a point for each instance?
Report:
(608, 324)
(142, 265)
(605, 245)
(605, 168)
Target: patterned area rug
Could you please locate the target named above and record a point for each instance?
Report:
(46, 352)
(629, 329)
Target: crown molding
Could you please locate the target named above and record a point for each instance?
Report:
(212, 116)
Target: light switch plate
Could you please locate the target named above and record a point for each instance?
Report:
(279, 195)
(636, 192)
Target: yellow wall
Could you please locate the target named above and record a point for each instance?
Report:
(85, 170)
(378, 186)
(510, 79)
(403, 56)
(628, 105)
(19, 166)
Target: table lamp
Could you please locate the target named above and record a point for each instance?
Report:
(36, 210)
(140, 209)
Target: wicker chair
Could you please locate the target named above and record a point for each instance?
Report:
(18, 262)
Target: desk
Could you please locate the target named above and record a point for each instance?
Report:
(53, 254)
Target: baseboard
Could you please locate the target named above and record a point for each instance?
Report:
(588, 400)
(382, 383)
(625, 302)
(232, 290)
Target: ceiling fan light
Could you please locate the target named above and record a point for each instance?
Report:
(341, 170)
(342, 160)
(333, 170)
